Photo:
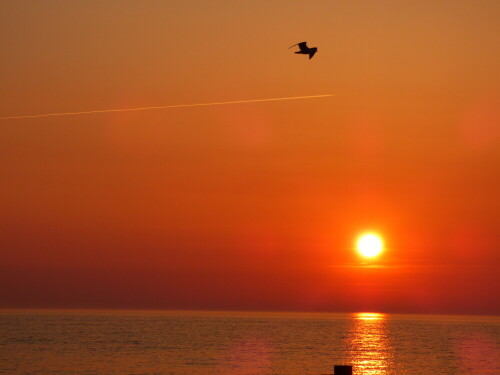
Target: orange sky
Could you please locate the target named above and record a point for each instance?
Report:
(250, 206)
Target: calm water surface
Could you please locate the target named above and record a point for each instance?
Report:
(245, 343)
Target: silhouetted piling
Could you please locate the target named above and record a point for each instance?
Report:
(342, 370)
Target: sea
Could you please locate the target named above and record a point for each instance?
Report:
(245, 343)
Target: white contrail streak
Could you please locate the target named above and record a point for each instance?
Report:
(160, 107)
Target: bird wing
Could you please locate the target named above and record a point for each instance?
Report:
(312, 52)
(303, 46)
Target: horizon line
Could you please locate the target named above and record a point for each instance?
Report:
(153, 310)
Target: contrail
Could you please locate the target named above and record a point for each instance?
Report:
(161, 107)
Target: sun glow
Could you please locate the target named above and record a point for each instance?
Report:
(369, 245)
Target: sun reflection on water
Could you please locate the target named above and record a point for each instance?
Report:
(369, 349)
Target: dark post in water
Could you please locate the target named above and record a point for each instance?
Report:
(342, 370)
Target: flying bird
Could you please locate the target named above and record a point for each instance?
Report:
(305, 50)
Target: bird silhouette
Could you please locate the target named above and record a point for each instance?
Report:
(305, 50)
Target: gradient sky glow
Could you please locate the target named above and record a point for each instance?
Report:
(253, 206)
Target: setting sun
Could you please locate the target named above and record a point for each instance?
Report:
(369, 245)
